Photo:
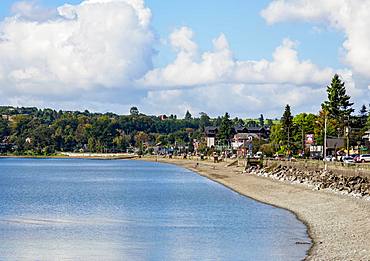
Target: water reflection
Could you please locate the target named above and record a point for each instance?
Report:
(128, 210)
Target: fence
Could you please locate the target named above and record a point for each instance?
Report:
(360, 169)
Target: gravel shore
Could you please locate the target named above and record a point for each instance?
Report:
(339, 225)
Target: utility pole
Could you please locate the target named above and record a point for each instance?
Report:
(346, 130)
(347, 137)
(325, 126)
(303, 143)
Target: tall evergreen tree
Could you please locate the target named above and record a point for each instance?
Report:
(363, 114)
(226, 129)
(204, 120)
(286, 124)
(338, 104)
(188, 115)
(363, 111)
(261, 120)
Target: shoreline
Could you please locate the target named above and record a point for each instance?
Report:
(336, 224)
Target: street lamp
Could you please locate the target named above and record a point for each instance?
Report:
(325, 127)
(346, 131)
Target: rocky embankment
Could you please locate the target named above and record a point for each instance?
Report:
(320, 179)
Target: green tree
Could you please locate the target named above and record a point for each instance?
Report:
(204, 121)
(252, 123)
(363, 110)
(286, 125)
(188, 116)
(134, 111)
(261, 120)
(304, 123)
(363, 114)
(276, 136)
(320, 127)
(267, 149)
(338, 104)
(226, 129)
(4, 128)
(367, 125)
(237, 122)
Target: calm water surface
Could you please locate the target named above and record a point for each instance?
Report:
(129, 210)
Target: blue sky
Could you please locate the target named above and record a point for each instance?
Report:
(255, 40)
(249, 35)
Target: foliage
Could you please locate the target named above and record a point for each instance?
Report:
(261, 121)
(267, 149)
(188, 116)
(204, 120)
(338, 104)
(134, 111)
(226, 130)
(303, 123)
(286, 125)
(4, 128)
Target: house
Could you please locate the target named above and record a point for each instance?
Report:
(163, 117)
(260, 132)
(366, 137)
(211, 133)
(241, 137)
(333, 145)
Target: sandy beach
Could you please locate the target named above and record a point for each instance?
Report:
(339, 225)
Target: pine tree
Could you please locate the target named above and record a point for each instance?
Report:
(286, 124)
(226, 129)
(261, 121)
(188, 115)
(363, 111)
(338, 104)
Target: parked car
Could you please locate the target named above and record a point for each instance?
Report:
(279, 157)
(258, 155)
(329, 158)
(356, 157)
(348, 159)
(364, 158)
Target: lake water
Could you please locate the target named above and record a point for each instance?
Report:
(55, 209)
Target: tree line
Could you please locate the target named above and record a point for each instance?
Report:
(29, 130)
(288, 136)
(47, 131)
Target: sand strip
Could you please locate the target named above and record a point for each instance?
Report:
(339, 225)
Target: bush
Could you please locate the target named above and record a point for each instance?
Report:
(267, 149)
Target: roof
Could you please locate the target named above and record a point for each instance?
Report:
(245, 136)
(210, 130)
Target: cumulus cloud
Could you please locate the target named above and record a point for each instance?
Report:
(98, 44)
(239, 99)
(32, 11)
(217, 81)
(219, 66)
(349, 16)
(100, 51)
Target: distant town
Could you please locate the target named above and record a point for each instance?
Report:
(335, 131)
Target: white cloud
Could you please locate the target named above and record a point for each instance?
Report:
(219, 66)
(30, 10)
(215, 81)
(98, 55)
(98, 44)
(349, 16)
(239, 99)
